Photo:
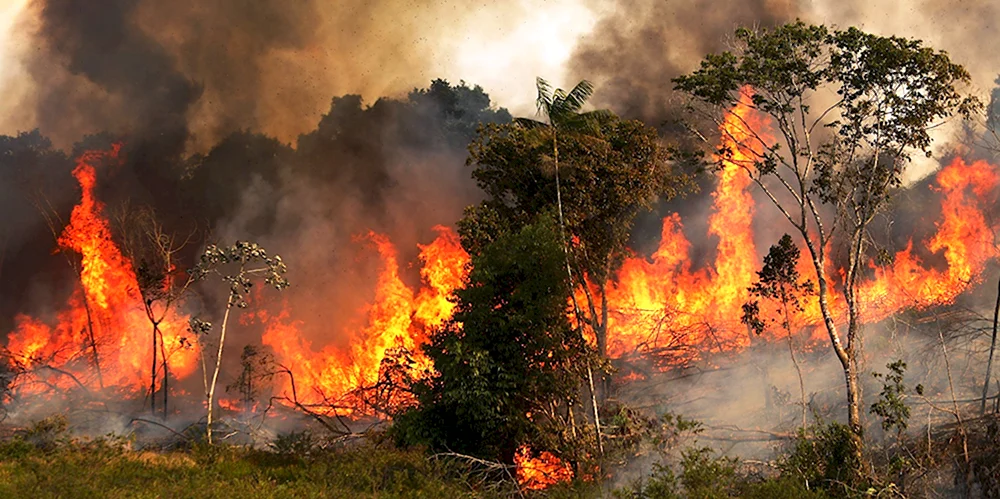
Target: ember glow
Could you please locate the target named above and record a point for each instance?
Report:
(541, 471)
(104, 317)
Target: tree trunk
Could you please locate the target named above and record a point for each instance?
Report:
(597, 416)
(215, 373)
(152, 376)
(795, 361)
(844, 354)
(166, 375)
(993, 347)
(93, 341)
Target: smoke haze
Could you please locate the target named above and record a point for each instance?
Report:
(294, 125)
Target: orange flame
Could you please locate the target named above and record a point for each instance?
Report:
(397, 318)
(544, 471)
(661, 306)
(107, 310)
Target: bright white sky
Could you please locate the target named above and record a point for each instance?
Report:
(9, 9)
(505, 55)
(10, 69)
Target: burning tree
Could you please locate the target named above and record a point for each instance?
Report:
(154, 252)
(834, 167)
(237, 265)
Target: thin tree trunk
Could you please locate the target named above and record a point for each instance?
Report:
(993, 347)
(597, 417)
(215, 373)
(152, 377)
(166, 375)
(958, 415)
(93, 341)
(569, 272)
(795, 361)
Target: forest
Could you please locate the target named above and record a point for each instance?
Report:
(784, 287)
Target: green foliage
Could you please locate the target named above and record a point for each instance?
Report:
(507, 354)
(823, 457)
(222, 471)
(295, 443)
(891, 405)
(47, 434)
(778, 280)
(606, 178)
(237, 265)
(705, 476)
(562, 109)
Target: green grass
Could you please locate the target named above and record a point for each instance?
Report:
(97, 469)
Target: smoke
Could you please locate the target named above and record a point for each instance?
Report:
(634, 52)
(640, 45)
(223, 65)
(236, 96)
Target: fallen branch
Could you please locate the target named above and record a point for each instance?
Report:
(161, 425)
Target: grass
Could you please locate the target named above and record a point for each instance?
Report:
(102, 469)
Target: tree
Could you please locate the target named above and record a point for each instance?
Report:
(609, 169)
(237, 265)
(153, 253)
(507, 356)
(832, 169)
(779, 280)
(257, 367)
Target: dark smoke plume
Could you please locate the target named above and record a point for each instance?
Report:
(636, 50)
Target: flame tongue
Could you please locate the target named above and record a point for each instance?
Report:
(397, 318)
(108, 306)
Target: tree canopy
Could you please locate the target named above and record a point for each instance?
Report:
(506, 355)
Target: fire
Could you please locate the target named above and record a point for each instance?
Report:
(105, 314)
(444, 271)
(398, 318)
(537, 473)
(660, 305)
(663, 304)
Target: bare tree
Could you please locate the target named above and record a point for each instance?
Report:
(153, 253)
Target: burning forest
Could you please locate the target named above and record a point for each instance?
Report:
(702, 283)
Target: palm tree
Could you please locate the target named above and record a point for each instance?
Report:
(561, 112)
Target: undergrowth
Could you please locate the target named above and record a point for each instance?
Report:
(109, 468)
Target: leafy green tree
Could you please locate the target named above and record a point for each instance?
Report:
(779, 281)
(507, 356)
(832, 169)
(594, 169)
(237, 266)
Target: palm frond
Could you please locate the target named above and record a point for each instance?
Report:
(543, 103)
(529, 123)
(579, 96)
